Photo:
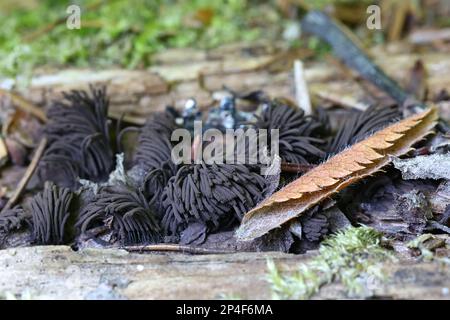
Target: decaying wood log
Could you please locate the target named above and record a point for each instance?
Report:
(58, 272)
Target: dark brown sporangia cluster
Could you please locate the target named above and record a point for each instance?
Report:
(215, 195)
(153, 155)
(300, 137)
(12, 219)
(315, 225)
(160, 200)
(50, 210)
(79, 139)
(358, 125)
(126, 211)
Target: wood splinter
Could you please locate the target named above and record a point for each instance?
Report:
(175, 248)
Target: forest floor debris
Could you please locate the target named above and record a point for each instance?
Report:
(435, 166)
(200, 216)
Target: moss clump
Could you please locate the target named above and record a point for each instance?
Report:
(353, 257)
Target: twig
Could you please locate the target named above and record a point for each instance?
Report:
(175, 248)
(135, 120)
(400, 13)
(345, 101)
(439, 226)
(301, 89)
(347, 47)
(25, 105)
(27, 176)
(295, 168)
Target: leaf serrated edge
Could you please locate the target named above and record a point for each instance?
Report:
(349, 166)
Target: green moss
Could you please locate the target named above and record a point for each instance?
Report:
(125, 33)
(352, 257)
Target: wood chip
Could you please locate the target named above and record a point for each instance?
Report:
(301, 89)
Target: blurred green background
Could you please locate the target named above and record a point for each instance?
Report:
(126, 33)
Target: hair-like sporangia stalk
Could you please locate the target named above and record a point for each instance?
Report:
(50, 210)
(79, 142)
(153, 155)
(12, 219)
(125, 211)
(358, 125)
(215, 195)
(300, 138)
(349, 166)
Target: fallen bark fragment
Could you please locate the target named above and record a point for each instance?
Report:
(440, 199)
(414, 210)
(400, 209)
(435, 166)
(359, 161)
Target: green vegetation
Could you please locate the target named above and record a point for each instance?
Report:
(124, 33)
(352, 257)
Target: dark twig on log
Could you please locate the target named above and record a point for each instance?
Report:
(295, 167)
(175, 248)
(345, 47)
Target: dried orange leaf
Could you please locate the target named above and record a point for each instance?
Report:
(351, 165)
